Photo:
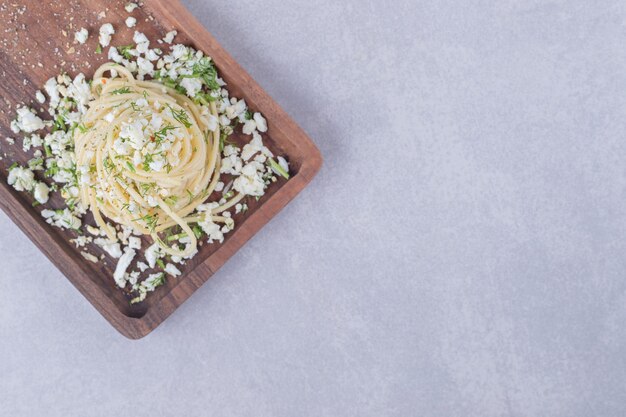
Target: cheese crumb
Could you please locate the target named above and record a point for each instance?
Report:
(192, 86)
(40, 97)
(131, 21)
(41, 193)
(134, 242)
(89, 257)
(105, 33)
(152, 254)
(112, 248)
(81, 36)
(172, 270)
(26, 121)
(261, 123)
(169, 36)
(122, 266)
(22, 179)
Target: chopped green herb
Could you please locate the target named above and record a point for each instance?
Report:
(108, 164)
(197, 230)
(147, 187)
(151, 221)
(277, 168)
(161, 134)
(125, 51)
(223, 137)
(181, 116)
(99, 49)
(191, 196)
(205, 70)
(178, 236)
(59, 123)
(171, 200)
(131, 166)
(160, 263)
(35, 163)
(160, 280)
(120, 104)
(146, 162)
(123, 90)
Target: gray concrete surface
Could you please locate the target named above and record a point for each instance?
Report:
(462, 253)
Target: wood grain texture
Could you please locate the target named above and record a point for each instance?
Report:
(31, 52)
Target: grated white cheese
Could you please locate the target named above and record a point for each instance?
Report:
(110, 247)
(192, 86)
(41, 193)
(114, 55)
(134, 242)
(93, 230)
(89, 257)
(261, 123)
(105, 33)
(22, 179)
(40, 97)
(142, 266)
(122, 265)
(169, 36)
(130, 7)
(81, 36)
(172, 270)
(211, 228)
(249, 127)
(131, 21)
(52, 89)
(250, 182)
(26, 121)
(64, 219)
(153, 254)
(81, 241)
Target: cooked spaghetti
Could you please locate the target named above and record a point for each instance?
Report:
(147, 157)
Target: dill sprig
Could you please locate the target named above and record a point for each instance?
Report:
(181, 116)
(123, 90)
(160, 135)
(150, 220)
(108, 164)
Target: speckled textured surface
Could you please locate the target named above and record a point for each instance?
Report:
(462, 252)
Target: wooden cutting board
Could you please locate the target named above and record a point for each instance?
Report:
(36, 43)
